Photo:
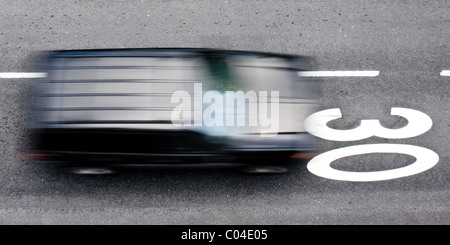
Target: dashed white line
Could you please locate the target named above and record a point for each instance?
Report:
(338, 73)
(444, 73)
(23, 74)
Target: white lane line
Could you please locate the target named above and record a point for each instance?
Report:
(23, 74)
(444, 73)
(338, 73)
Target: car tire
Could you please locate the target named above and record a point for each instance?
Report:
(266, 169)
(90, 170)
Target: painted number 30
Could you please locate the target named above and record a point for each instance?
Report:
(418, 123)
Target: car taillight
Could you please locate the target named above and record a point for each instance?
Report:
(35, 156)
(304, 155)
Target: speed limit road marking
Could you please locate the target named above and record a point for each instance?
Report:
(418, 123)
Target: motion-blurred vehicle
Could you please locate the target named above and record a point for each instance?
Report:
(99, 111)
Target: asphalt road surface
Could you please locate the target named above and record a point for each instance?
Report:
(407, 42)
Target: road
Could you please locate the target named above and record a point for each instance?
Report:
(406, 41)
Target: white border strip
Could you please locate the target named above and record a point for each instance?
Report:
(338, 73)
(445, 73)
(23, 74)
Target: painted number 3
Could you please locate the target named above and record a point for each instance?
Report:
(418, 123)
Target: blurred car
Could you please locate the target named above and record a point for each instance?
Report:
(100, 111)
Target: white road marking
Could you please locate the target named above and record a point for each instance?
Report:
(320, 165)
(418, 123)
(444, 73)
(338, 73)
(23, 74)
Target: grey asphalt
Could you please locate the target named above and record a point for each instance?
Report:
(407, 41)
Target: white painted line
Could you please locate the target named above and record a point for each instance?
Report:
(23, 74)
(445, 73)
(338, 73)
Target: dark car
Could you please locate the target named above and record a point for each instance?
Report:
(99, 111)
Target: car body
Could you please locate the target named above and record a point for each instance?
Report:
(104, 110)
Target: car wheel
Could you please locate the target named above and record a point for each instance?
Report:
(91, 171)
(266, 169)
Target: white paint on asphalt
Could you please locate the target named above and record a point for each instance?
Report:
(338, 73)
(444, 73)
(418, 123)
(23, 74)
(425, 159)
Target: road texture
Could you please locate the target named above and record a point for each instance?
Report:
(406, 41)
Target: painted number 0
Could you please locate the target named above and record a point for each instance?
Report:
(418, 123)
